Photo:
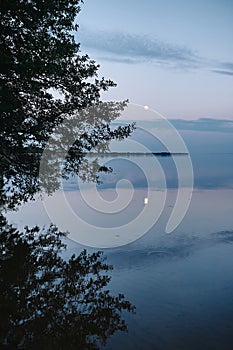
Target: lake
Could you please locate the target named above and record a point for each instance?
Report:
(180, 282)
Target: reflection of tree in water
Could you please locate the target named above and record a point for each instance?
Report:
(50, 303)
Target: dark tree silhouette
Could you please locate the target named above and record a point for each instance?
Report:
(46, 301)
(40, 59)
(50, 303)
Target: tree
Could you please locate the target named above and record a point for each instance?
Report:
(50, 303)
(39, 56)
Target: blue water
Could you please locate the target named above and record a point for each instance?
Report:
(181, 283)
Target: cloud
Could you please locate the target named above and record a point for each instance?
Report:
(135, 49)
(132, 49)
(204, 124)
(224, 68)
(224, 72)
(120, 60)
(227, 65)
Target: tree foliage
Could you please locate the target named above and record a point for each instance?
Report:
(44, 80)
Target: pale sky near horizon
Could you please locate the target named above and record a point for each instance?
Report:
(176, 56)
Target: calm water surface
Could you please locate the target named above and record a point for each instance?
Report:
(181, 283)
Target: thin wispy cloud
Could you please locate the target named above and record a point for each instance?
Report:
(135, 49)
(225, 68)
(119, 59)
(227, 65)
(223, 72)
(131, 49)
(204, 124)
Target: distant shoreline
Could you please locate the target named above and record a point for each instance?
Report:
(119, 154)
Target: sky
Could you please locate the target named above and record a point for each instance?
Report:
(175, 56)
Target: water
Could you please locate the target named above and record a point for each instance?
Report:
(181, 283)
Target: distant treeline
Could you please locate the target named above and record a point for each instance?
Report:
(117, 154)
(120, 154)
